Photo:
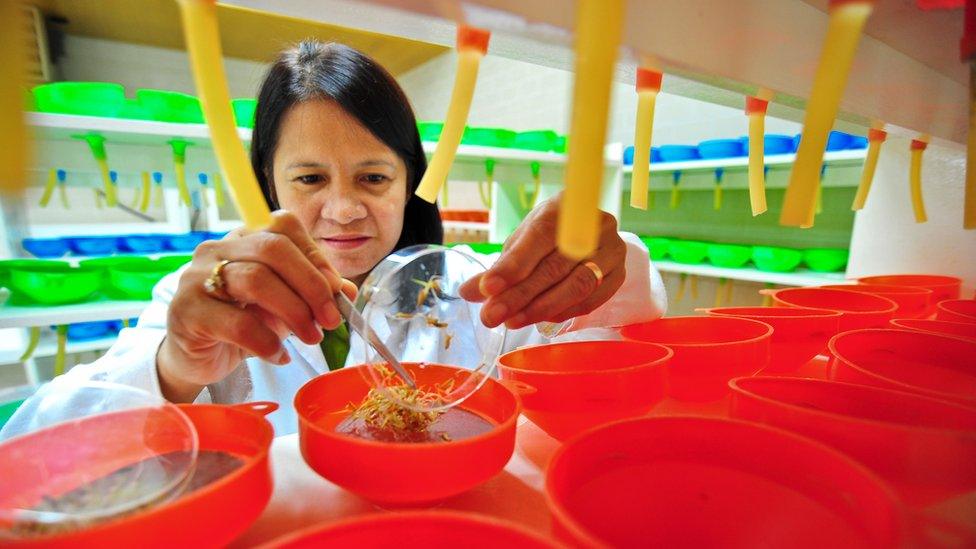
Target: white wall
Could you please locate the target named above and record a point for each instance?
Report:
(886, 238)
(136, 66)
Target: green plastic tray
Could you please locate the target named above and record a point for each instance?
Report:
(657, 247)
(488, 137)
(430, 131)
(7, 264)
(776, 260)
(132, 109)
(537, 140)
(82, 98)
(826, 260)
(135, 281)
(244, 110)
(729, 255)
(688, 251)
(560, 145)
(170, 106)
(54, 284)
(486, 248)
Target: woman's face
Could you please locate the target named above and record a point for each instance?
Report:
(346, 186)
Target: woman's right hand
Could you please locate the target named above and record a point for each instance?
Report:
(277, 281)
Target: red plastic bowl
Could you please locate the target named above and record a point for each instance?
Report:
(213, 515)
(930, 364)
(944, 327)
(402, 474)
(567, 388)
(943, 287)
(799, 334)
(956, 310)
(709, 482)
(859, 310)
(913, 302)
(708, 352)
(929, 444)
(431, 529)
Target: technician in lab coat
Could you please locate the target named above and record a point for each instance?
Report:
(338, 156)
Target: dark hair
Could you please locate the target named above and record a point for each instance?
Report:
(365, 90)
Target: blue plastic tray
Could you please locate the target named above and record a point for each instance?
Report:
(675, 153)
(45, 247)
(185, 242)
(93, 245)
(721, 148)
(141, 243)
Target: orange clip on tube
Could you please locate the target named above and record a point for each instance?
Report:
(915, 180)
(599, 25)
(648, 86)
(847, 18)
(875, 138)
(756, 111)
(203, 42)
(13, 73)
(472, 44)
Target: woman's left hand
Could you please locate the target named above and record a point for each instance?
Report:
(532, 282)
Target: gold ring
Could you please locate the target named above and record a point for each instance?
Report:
(597, 272)
(216, 286)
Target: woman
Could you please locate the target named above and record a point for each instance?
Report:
(336, 150)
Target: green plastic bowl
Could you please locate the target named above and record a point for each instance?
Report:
(688, 251)
(537, 140)
(173, 262)
(560, 145)
(776, 260)
(115, 261)
(732, 256)
(7, 264)
(135, 281)
(82, 98)
(430, 131)
(488, 137)
(486, 248)
(826, 260)
(132, 109)
(171, 106)
(657, 247)
(54, 284)
(244, 111)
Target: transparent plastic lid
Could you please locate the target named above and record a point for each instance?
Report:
(411, 301)
(75, 455)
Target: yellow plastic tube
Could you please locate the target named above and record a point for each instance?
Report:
(648, 86)
(97, 145)
(599, 26)
(915, 180)
(528, 202)
(137, 195)
(158, 194)
(720, 292)
(472, 44)
(218, 186)
(179, 168)
(875, 138)
(52, 182)
(62, 349)
(203, 42)
(675, 192)
(14, 140)
(35, 338)
(146, 191)
(717, 192)
(847, 19)
(62, 191)
(484, 187)
(756, 110)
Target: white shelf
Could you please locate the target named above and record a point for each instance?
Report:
(48, 346)
(12, 316)
(466, 225)
(797, 278)
(143, 132)
(847, 157)
(477, 152)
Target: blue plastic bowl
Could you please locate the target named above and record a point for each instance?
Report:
(186, 242)
(45, 247)
(858, 142)
(629, 156)
(116, 325)
(721, 148)
(836, 141)
(676, 153)
(93, 245)
(656, 155)
(84, 331)
(141, 243)
(778, 144)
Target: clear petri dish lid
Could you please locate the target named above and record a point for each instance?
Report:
(411, 301)
(75, 455)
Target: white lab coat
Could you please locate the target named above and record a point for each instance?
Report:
(132, 360)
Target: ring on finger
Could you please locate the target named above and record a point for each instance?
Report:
(216, 286)
(596, 270)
